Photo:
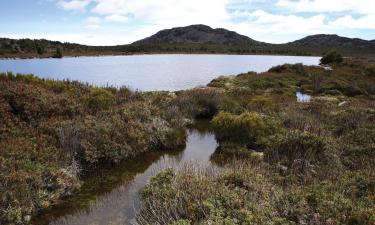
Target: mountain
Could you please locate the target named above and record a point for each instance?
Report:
(332, 40)
(193, 39)
(197, 34)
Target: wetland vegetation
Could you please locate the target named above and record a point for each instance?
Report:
(279, 161)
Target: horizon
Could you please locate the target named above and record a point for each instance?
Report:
(186, 26)
(120, 22)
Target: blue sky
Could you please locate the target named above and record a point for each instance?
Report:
(110, 22)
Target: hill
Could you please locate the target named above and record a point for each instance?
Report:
(193, 39)
(198, 34)
(332, 40)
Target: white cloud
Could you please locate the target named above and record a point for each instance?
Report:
(73, 5)
(81, 38)
(355, 6)
(348, 22)
(167, 12)
(117, 18)
(264, 26)
(286, 21)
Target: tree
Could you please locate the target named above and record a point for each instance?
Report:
(58, 54)
(331, 57)
(40, 50)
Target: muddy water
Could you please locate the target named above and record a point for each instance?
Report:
(111, 195)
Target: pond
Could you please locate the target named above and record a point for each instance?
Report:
(149, 72)
(111, 195)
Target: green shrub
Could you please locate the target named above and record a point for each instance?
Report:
(168, 138)
(261, 103)
(58, 53)
(245, 129)
(331, 57)
(99, 99)
(232, 149)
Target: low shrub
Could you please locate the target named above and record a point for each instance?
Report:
(249, 129)
(99, 99)
(51, 131)
(240, 152)
(370, 70)
(261, 103)
(297, 149)
(195, 195)
(331, 57)
(199, 102)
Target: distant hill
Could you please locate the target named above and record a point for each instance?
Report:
(320, 43)
(197, 34)
(193, 39)
(332, 40)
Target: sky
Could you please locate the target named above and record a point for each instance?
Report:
(112, 22)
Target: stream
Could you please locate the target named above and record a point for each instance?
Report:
(111, 195)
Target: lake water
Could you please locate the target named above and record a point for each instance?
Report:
(149, 72)
(110, 196)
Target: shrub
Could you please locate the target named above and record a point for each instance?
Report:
(245, 129)
(236, 195)
(296, 147)
(232, 149)
(331, 57)
(261, 103)
(200, 102)
(58, 53)
(166, 138)
(99, 99)
(370, 71)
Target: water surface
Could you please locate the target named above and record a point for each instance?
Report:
(111, 195)
(149, 72)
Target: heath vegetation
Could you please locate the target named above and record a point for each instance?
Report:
(285, 162)
(52, 132)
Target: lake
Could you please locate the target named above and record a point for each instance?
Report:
(149, 72)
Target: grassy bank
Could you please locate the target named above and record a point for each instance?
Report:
(53, 132)
(284, 162)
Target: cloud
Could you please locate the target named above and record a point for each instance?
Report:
(167, 12)
(348, 22)
(264, 26)
(357, 6)
(265, 20)
(117, 18)
(73, 5)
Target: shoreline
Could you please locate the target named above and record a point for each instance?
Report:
(34, 56)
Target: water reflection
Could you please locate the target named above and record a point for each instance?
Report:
(111, 195)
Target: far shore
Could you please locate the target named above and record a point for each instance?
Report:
(46, 56)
